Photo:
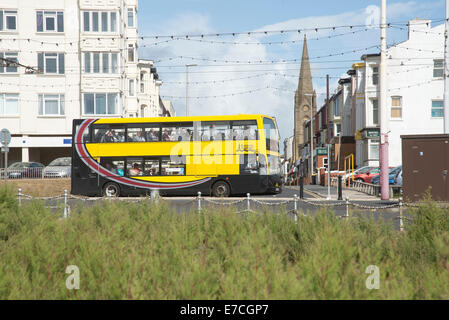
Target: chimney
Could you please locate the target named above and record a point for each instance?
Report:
(418, 27)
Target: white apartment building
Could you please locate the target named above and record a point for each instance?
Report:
(415, 93)
(86, 54)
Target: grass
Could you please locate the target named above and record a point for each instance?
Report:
(40, 187)
(144, 251)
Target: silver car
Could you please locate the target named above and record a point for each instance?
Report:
(59, 168)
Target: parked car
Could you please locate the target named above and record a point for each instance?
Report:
(59, 168)
(368, 175)
(391, 176)
(25, 170)
(358, 171)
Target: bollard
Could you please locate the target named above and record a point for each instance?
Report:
(347, 208)
(340, 187)
(248, 202)
(199, 201)
(65, 204)
(155, 195)
(401, 222)
(20, 197)
(296, 208)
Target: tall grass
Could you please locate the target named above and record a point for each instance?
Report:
(144, 251)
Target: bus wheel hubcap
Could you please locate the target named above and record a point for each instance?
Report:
(111, 191)
(221, 190)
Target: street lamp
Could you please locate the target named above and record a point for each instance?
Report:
(187, 87)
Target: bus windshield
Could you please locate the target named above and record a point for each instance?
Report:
(271, 134)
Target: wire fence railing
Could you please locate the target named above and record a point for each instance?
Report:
(248, 203)
(35, 173)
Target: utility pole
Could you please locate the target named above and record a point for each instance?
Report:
(187, 87)
(312, 135)
(328, 117)
(446, 72)
(328, 172)
(384, 187)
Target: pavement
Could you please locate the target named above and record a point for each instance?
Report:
(322, 192)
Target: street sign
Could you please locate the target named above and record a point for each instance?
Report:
(372, 134)
(5, 137)
(321, 151)
(5, 149)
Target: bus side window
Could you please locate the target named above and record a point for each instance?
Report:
(244, 130)
(134, 167)
(136, 135)
(152, 134)
(151, 168)
(173, 168)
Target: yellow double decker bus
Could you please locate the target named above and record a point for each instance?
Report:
(214, 155)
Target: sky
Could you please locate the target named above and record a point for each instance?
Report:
(229, 77)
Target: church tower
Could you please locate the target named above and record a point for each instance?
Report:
(305, 102)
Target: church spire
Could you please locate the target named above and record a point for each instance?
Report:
(305, 76)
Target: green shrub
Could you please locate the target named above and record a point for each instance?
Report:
(145, 251)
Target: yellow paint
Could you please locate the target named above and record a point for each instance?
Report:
(358, 65)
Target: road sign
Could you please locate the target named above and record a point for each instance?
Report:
(5, 137)
(5, 149)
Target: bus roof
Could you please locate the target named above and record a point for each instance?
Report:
(181, 119)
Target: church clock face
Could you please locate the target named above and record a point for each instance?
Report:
(306, 108)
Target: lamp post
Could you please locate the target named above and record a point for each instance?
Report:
(187, 87)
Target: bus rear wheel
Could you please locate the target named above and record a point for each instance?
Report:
(221, 190)
(111, 189)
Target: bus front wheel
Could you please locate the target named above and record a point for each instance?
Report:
(111, 189)
(221, 190)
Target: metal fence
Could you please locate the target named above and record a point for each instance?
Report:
(368, 188)
(34, 173)
(201, 201)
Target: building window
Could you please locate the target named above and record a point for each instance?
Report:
(105, 63)
(336, 108)
(100, 63)
(100, 103)
(131, 88)
(375, 75)
(104, 22)
(6, 66)
(8, 20)
(337, 130)
(51, 105)
(438, 68)
(396, 107)
(131, 18)
(9, 104)
(437, 109)
(99, 21)
(50, 21)
(113, 22)
(86, 19)
(51, 63)
(375, 103)
(373, 151)
(131, 53)
(142, 87)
